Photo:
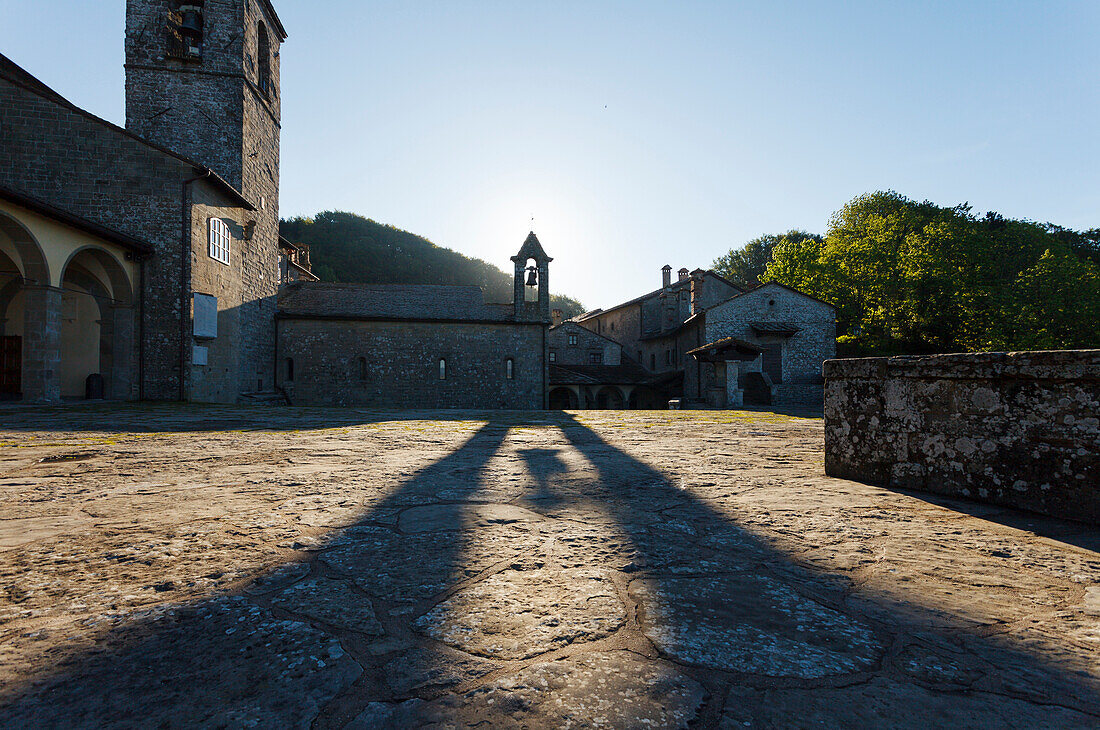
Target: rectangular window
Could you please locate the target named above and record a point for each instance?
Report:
(572, 339)
(553, 356)
(595, 358)
(219, 240)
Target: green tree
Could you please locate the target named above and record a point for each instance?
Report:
(1059, 303)
(915, 277)
(747, 264)
(569, 306)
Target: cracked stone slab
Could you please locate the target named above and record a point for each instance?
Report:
(753, 624)
(886, 703)
(435, 517)
(517, 614)
(223, 663)
(438, 668)
(333, 602)
(381, 561)
(615, 689)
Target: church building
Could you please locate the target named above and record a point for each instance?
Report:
(143, 262)
(408, 346)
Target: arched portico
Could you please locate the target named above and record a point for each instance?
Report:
(609, 397)
(96, 323)
(31, 315)
(66, 311)
(564, 398)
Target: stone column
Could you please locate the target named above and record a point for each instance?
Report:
(42, 344)
(123, 358)
(735, 397)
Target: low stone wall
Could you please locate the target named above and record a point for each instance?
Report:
(1019, 429)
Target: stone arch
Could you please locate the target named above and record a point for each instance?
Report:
(32, 260)
(645, 398)
(609, 397)
(99, 343)
(563, 399)
(120, 289)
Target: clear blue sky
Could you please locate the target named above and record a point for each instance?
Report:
(639, 133)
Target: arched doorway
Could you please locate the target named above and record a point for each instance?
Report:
(563, 399)
(644, 398)
(609, 398)
(95, 326)
(29, 308)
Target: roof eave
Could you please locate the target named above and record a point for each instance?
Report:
(71, 219)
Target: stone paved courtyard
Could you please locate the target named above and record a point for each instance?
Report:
(163, 566)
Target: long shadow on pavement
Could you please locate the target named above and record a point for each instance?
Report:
(368, 629)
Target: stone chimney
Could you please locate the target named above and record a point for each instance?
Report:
(666, 276)
(557, 317)
(696, 295)
(683, 274)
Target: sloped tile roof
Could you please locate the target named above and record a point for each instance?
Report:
(323, 300)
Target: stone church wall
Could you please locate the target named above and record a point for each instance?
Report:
(1016, 429)
(65, 158)
(400, 364)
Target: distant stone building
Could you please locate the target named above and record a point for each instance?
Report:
(708, 341)
(588, 370)
(399, 346)
(144, 262)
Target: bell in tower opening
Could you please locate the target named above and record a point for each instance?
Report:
(185, 29)
(532, 276)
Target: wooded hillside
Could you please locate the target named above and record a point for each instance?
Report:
(349, 248)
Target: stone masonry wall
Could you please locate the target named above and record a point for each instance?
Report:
(588, 342)
(215, 112)
(68, 159)
(1017, 429)
(401, 368)
(803, 353)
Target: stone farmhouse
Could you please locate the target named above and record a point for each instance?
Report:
(705, 341)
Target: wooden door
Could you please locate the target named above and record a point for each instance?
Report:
(773, 362)
(11, 365)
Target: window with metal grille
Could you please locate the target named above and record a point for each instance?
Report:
(219, 240)
(595, 358)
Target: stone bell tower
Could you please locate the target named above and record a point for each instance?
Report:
(202, 79)
(532, 281)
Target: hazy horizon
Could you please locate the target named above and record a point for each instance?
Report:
(638, 134)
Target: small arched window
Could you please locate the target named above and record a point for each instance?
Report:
(362, 368)
(442, 368)
(290, 370)
(510, 368)
(263, 60)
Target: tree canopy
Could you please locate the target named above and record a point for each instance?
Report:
(349, 248)
(915, 277)
(747, 264)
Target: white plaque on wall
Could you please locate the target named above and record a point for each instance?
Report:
(206, 316)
